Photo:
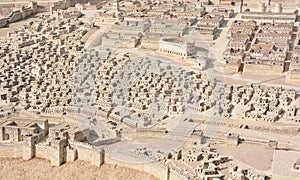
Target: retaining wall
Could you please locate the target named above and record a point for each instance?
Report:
(11, 150)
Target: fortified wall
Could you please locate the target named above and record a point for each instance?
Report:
(58, 145)
(63, 4)
(18, 14)
(11, 150)
(55, 151)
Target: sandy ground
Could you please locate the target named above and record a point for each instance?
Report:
(257, 156)
(41, 169)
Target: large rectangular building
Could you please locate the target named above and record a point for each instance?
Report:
(277, 15)
(177, 47)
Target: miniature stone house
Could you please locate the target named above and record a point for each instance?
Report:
(175, 155)
(16, 130)
(233, 139)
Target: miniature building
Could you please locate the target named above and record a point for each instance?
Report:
(16, 130)
(233, 59)
(265, 59)
(30, 139)
(118, 39)
(268, 54)
(227, 13)
(208, 32)
(106, 18)
(212, 21)
(238, 171)
(41, 73)
(208, 170)
(131, 26)
(263, 15)
(167, 28)
(202, 163)
(162, 29)
(177, 47)
(176, 155)
(242, 29)
(294, 69)
(233, 139)
(86, 6)
(29, 150)
(150, 42)
(57, 152)
(192, 155)
(293, 76)
(68, 131)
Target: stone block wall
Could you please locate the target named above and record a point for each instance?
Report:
(88, 153)
(150, 43)
(42, 151)
(263, 69)
(29, 150)
(11, 150)
(57, 152)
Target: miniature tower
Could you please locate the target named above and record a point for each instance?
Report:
(262, 7)
(278, 8)
(58, 151)
(233, 139)
(33, 6)
(241, 6)
(201, 140)
(2, 134)
(22, 10)
(118, 5)
(29, 146)
(117, 9)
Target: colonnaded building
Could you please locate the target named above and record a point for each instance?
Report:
(176, 47)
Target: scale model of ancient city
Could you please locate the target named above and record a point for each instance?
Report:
(150, 89)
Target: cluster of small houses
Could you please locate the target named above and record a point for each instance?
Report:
(252, 47)
(262, 45)
(142, 91)
(134, 24)
(38, 74)
(38, 60)
(256, 103)
(174, 10)
(203, 164)
(41, 69)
